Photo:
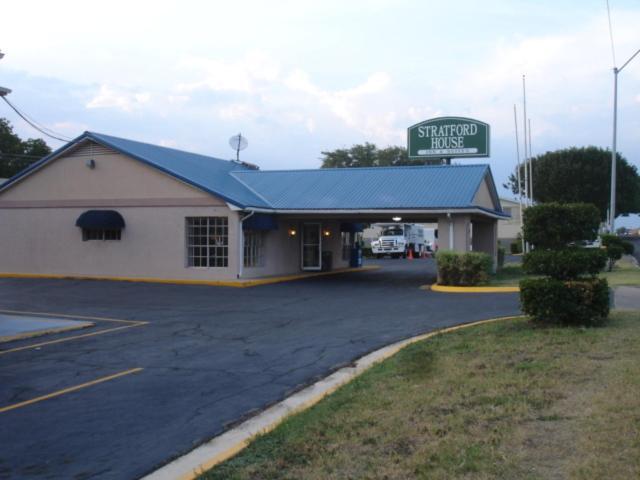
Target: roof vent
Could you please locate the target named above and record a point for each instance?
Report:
(249, 166)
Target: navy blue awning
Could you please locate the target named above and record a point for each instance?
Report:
(100, 219)
(260, 221)
(351, 227)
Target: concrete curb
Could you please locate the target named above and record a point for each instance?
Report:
(225, 446)
(449, 289)
(211, 283)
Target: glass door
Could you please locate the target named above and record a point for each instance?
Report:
(311, 246)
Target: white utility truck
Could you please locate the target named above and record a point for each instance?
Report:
(397, 239)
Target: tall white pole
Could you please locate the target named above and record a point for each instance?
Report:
(530, 165)
(612, 208)
(524, 135)
(515, 122)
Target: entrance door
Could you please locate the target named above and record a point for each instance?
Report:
(311, 246)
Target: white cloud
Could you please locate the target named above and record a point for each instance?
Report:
(350, 105)
(237, 111)
(245, 75)
(113, 97)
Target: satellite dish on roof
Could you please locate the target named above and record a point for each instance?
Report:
(238, 142)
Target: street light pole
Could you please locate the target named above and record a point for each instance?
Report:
(612, 204)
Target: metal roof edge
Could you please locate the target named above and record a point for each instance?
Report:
(356, 169)
(443, 210)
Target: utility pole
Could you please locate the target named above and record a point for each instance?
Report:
(3, 91)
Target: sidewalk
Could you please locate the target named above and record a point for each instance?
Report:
(627, 298)
(15, 327)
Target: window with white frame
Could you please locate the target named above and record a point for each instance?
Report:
(207, 241)
(253, 248)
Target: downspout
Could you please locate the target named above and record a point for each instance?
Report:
(241, 243)
(450, 230)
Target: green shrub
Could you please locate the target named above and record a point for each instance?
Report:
(516, 247)
(470, 268)
(366, 252)
(615, 247)
(552, 301)
(501, 253)
(555, 225)
(566, 263)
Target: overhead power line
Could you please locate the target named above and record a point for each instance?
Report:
(34, 124)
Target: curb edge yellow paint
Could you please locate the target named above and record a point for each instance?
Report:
(241, 445)
(213, 283)
(450, 289)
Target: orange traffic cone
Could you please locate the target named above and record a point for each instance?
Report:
(410, 256)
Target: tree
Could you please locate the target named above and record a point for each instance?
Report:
(15, 154)
(368, 155)
(582, 175)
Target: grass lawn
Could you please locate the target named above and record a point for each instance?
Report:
(625, 272)
(503, 400)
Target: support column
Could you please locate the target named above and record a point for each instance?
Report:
(485, 239)
(454, 233)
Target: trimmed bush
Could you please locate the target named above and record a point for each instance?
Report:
(578, 302)
(565, 264)
(555, 225)
(564, 297)
(463, 269)
(516, 248)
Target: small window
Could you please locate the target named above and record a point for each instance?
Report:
(253, 249)
(207, 241)
(100, 234)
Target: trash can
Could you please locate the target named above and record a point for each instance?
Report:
(356, 257)
(327, 260)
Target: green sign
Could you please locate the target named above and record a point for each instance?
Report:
(448, 137)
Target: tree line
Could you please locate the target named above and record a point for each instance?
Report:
(17, 154)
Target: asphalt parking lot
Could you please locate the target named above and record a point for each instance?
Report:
(137, 394)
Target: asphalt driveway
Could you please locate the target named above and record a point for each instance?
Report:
(207, 358)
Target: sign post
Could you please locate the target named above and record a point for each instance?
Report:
(448, 137)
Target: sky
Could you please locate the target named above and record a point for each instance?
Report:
(301, 77)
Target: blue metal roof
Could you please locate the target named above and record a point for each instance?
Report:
(368, 188)
(419, 187)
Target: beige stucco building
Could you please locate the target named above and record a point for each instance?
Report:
(103, 206)
(509, 229)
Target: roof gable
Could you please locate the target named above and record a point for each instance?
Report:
(205, 173)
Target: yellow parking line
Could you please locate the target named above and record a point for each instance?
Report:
(69, 390)
(128, 324)
(66, 339)
(76, 317)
